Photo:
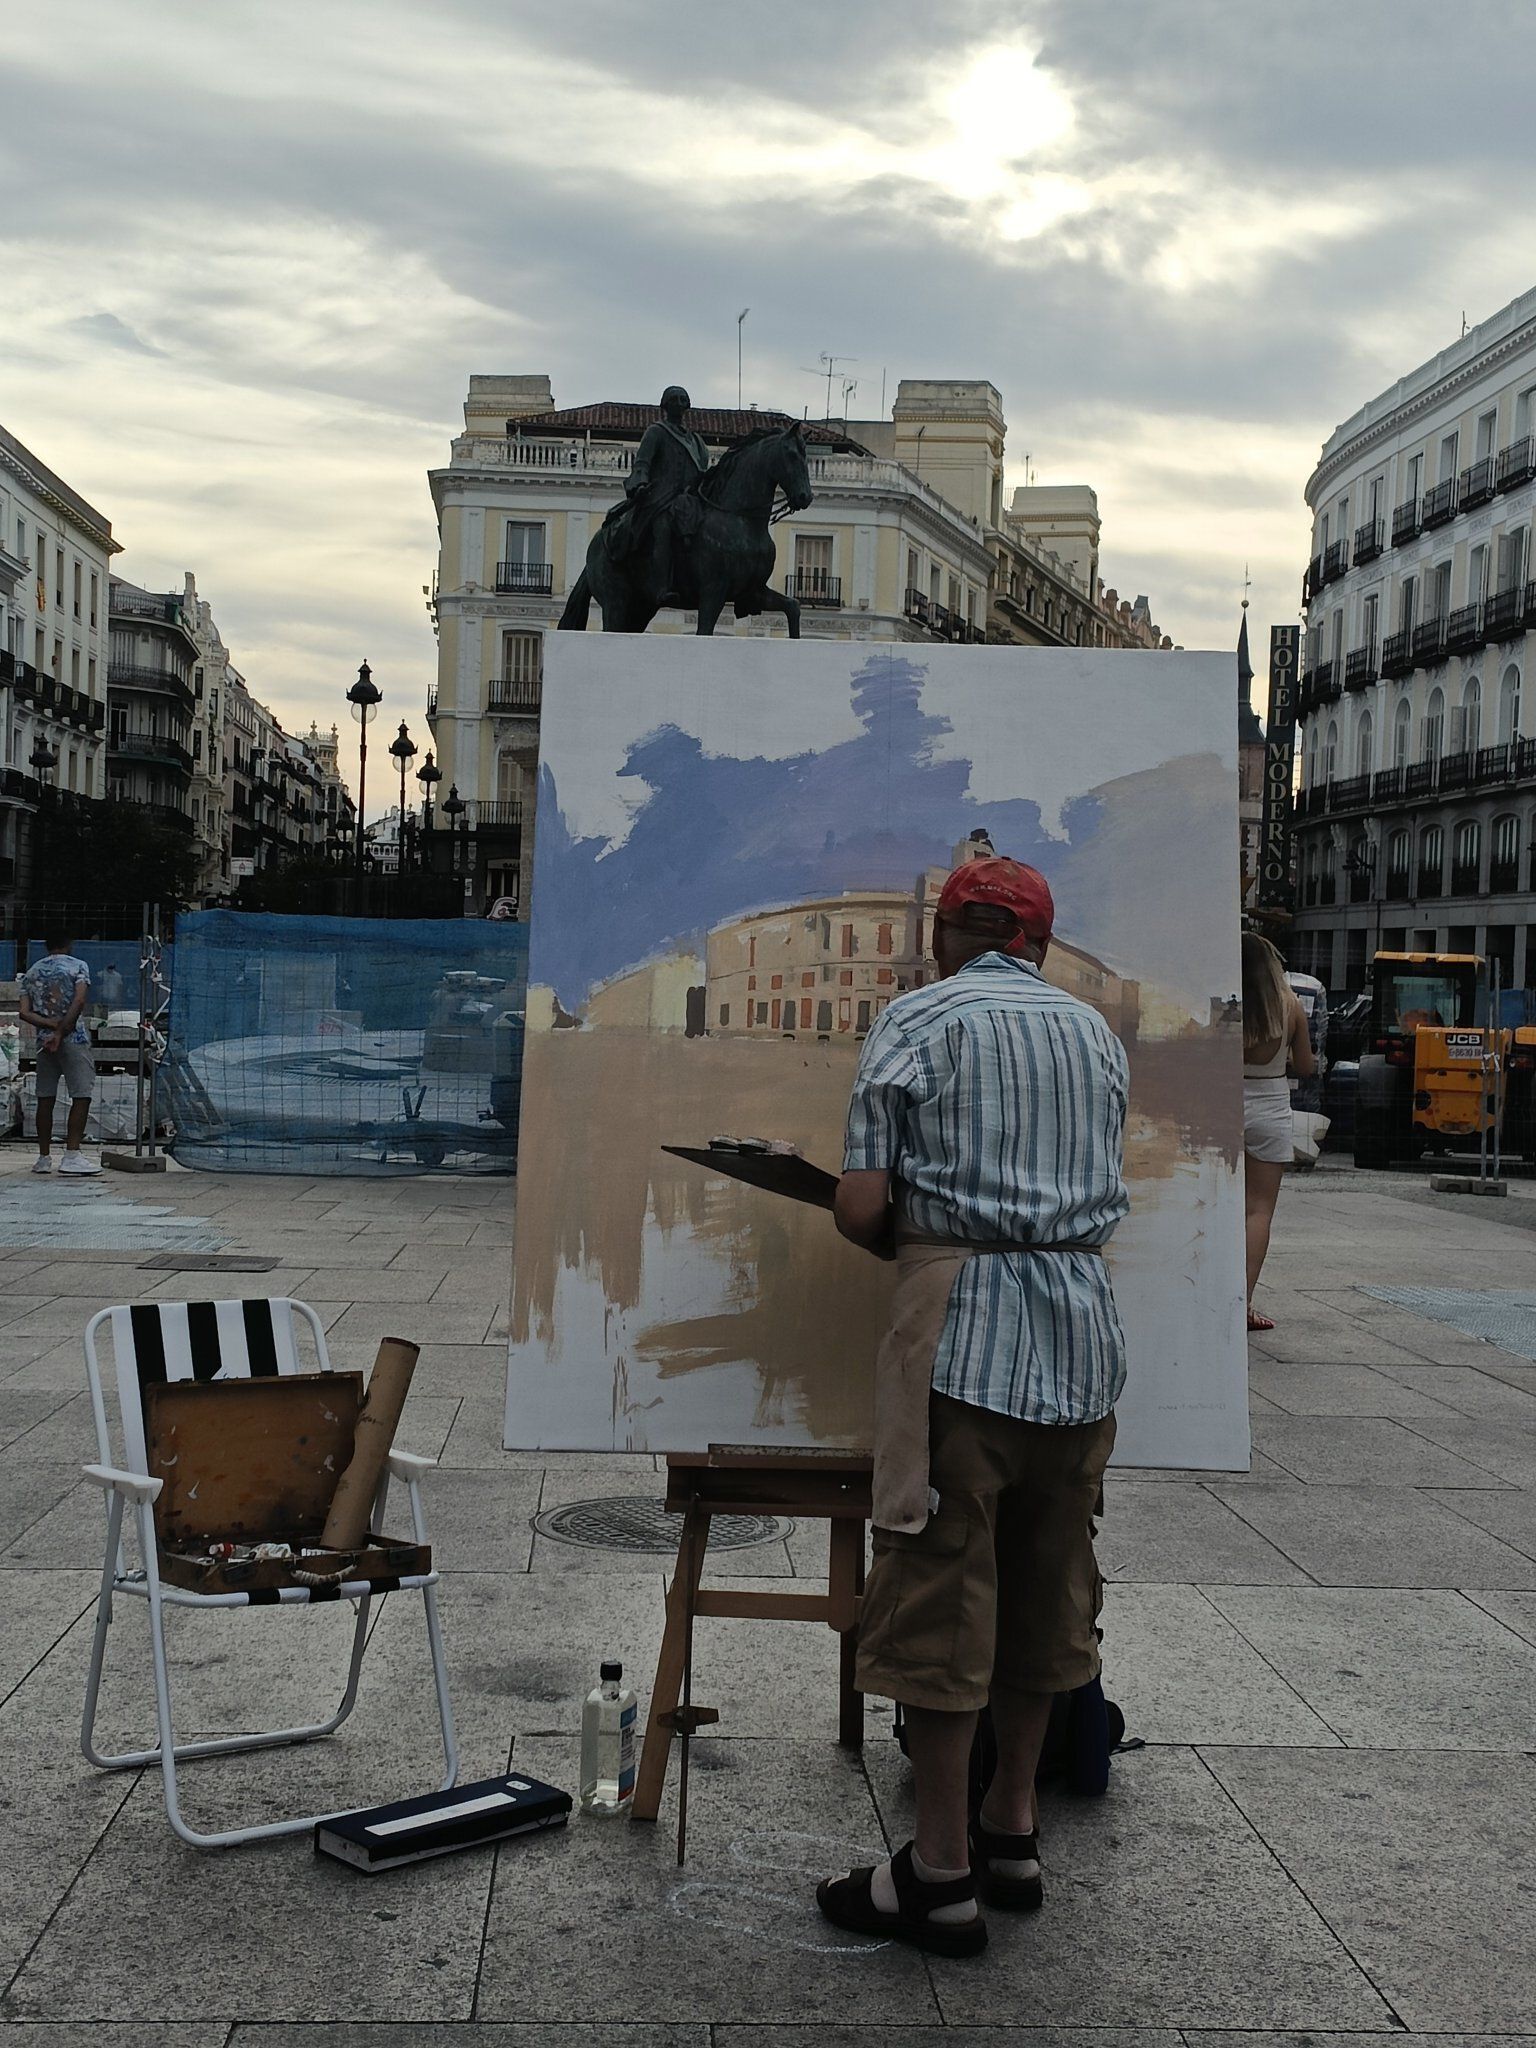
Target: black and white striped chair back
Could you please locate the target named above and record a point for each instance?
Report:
(156, 1341)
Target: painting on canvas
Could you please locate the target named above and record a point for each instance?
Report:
(739, 844)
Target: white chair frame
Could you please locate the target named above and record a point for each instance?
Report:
(134, 1491)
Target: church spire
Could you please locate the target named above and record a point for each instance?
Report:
(1248, 728)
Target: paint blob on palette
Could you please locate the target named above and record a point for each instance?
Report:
(739, 845)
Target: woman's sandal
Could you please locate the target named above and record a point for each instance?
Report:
(1011, 1894)
(849, 1902)
(1257, 1322)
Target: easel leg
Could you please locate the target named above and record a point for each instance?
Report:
(652, 1777)
(845, 1584)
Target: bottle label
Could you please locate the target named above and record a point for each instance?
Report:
(627, 1750)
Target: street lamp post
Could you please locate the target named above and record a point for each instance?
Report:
(428, 775)
(364, 697)
(1361, 860)
(454, 808)
(403, 747)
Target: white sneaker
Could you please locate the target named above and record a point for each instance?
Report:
(76, 1162)
(42, 1163)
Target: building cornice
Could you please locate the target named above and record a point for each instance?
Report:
(1519, 341)
(20, 463)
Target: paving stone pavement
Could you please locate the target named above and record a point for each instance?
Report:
(1330, 1836)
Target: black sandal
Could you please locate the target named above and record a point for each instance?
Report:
(849, 1902)
(1011, 1894)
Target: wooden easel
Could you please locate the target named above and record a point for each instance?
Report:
(734, 1479)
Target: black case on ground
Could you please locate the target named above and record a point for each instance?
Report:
(411, 1830)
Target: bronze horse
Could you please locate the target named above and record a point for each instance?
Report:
(716, 547)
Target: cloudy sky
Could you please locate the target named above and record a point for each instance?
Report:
(253, 252)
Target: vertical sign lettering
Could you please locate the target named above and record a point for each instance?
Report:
(1279, 757)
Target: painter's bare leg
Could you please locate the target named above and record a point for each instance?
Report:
(939, 1746)
(79, 1117)
(1019, 1721)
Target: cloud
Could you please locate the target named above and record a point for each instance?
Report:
(112, 332)
(252, 258)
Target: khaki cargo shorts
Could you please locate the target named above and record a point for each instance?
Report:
(75, 1063)
(1002, 1587)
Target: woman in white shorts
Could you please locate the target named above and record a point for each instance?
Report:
(1275, 1041)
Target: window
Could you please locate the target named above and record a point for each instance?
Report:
(912, 569)
(1378, 492)
(509, 777)
(863, 1017)
(1372, 604)
(1363, 748)
(1468, 736)
(1440, 591)
(522, 658)
(954, 595)
(762, 1013)
(813, 564)
(525, 542)
(1322, 536)
(776, 981)
(1343, 516)
(1407, 596)
(1402, 730)
(824, 1016)
(1512, 549)
(78, 578)
(1415, 475)
(805, 1013)
(1331, 750)
(58, 579)
(847, 942)
(1433, 736)
(1509, 706)
(1431, 856)
(1448, 446)
(883, 941)
(1397, 856)
(74, 668)
(1487, 425)
(1467, 853)
(1506, 852)
(93, 600)
(725, 1015)
(935, 583)
(1477, 573)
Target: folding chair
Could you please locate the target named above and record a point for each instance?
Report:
(210, 1340)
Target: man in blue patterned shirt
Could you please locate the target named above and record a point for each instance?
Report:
(984, 1153)
(53, 993)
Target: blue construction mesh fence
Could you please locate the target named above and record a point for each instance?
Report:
(333, 1045)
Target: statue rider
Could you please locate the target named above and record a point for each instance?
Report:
(658, 507)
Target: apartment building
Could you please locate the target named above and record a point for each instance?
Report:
(1416, 811)
(55, 551)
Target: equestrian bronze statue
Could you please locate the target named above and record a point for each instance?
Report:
(689, 537)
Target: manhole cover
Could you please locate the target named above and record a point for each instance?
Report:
(628, 1522)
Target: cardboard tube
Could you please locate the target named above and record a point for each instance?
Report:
(352, 1503)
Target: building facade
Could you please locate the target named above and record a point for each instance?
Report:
(55, 552)
(908, 539)
(1415, 818)
(151, 703)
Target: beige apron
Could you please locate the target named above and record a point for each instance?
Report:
(926, 1271)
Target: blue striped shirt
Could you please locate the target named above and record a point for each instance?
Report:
(997, 1103)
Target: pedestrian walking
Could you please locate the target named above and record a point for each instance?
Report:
(984, 1155)
(1276, 1043)
(53, 996)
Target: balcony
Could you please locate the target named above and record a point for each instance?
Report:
(1516, 464)
(1439, 506)
(144, 604)
(1431, 882)
(1335, 561)
(1360, 667)
(1418, 778)
(1387, 785)
(1530, 604)
(815, 587)
(490, 819)
(513, 697)
(1359, 885)
(1328, 889)
(1352, 794)
(1455, 771)
(161, 682)
(1493, 764)
(526, 579)
(1368, 541)
(1397, 653)
(1398, 881)
(148, 746)
(1503, 877)
(1429, 642)
(1405, 521)
(1466, 881)
(1327, 688)
(917, 606)
(161, 814)
(1503, 615)
(1312, 580)
(431, 703)
(1476, 483)
(1464, 629)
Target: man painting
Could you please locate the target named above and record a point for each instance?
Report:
(984, 1154)
(53, 995)
(668, 463)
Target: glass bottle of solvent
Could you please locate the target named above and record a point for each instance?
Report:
(608, 1744)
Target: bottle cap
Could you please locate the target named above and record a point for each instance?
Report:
(610, 1668)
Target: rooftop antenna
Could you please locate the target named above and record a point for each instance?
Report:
(740, 317)
(1463, 323)
(1247, 585)
(850, 386)
(828, 367)
(882, 391)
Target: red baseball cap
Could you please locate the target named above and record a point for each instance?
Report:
(1002, 885)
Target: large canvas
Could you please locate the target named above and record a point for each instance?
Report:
(738, 847)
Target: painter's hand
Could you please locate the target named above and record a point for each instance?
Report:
(52, 1040)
